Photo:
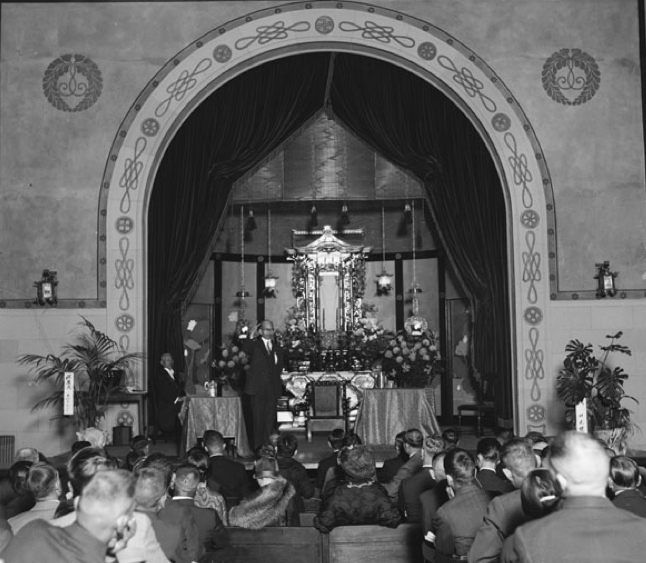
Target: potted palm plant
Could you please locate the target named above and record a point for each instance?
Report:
(98, 365)
(584, 376)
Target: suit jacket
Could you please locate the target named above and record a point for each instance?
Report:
(586, 529)
(263, 376)
(456, 523)
(167, 390)
(431, 501)
(178, 537)
(410, 468)
(211, 530)
(492, 483)
(322, 469)
(227, 477)
(504, 515)
(390, 467)
(631, 500)
(410, 490)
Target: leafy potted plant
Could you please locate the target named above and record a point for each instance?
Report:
(584, 376)
(97, 363)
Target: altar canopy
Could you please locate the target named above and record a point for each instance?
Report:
(399, 115)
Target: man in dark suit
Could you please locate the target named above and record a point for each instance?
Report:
(588, 528)
(224, 475)
(335, 441)
(212, 533)
(487, 458)
(169, 395)
(411, 488)
(505, 512)
(263, 385)
(624, 482)
(455, 523)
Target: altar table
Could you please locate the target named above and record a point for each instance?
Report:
(223, 414)
(384, 413)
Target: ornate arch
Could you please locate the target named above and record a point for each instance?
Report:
(229, 50)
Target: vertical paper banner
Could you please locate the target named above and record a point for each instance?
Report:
(68, 396)
(581, 412)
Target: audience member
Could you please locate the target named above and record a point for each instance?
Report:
(104, 524)
(79, 445)
(588, 528)
(539, 443)
(269, 506)
(451, 438)
(158, 460)
(179, 539)
(413, 442)
(31, 455)
(334, 441)
(224, 475)
(503, 435)
(456, 522)
(293, 470)
(391, 465)
(205, 497)
(16, 498)
(504, 513)
(81, 468)
(360, 499)
(212, 533)
(411, 488)
(487, 458)
(540, 493)
(44, 484)
(624, 482)
(432, 499)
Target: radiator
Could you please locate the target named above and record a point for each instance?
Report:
(7, 450)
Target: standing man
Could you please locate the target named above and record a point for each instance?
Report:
(263, 385)
(169, 395)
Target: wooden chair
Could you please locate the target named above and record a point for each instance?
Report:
(328, 407)
(484, 405)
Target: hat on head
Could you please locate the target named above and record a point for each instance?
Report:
(358, 463)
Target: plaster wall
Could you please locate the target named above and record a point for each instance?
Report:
(51, 162)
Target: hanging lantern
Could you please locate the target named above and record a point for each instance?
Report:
(314, 218)
(251, 221)
(384, 279)
(270, 279)
(242, 293)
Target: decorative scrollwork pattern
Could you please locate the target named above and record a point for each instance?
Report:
(529, 219)
(273, 32)
(534, 370)
(571, 77)
(185, 83)
(131, 171)
(381, 33)
(522, 173)
(72, 83)
(222, 53)
(533, 315)
(427, 51)
(124, 267)
(473, 87)
(150, 127)
(531, 266)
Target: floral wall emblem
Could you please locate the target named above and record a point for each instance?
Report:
(571, 77)
(72, 83)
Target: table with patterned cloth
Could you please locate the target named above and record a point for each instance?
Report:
(223, 414)
(384, 413)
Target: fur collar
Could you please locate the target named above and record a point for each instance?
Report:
(265, 507)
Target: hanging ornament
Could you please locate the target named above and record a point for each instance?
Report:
(270, 279)
(384, 279)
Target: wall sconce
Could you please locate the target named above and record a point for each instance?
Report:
(605, 280)
(46, 288)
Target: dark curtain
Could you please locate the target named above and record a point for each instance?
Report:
(416, 127)
(223, 138)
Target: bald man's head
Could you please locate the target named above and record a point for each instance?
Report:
(581, 463)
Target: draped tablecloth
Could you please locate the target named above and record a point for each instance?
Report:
(223, 414)
(384, 413)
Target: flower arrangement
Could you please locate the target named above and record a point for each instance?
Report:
(412, 359)
(369, 340)
(230, 360)
(297, 342)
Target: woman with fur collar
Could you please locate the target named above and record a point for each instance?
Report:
(271, 505)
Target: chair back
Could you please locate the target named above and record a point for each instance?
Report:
(328, 399)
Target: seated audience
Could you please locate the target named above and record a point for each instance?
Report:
(269, 506)
(360, 499)
(81, 469)
(211, 530)
(293, 470)
(487, 458)
(224, 475)
(588, 528)
(503, 435)
(205, 497)
(413, 442)
(451, 438)
(335, 474)
(539, 443)
(432, 499)
(334, 441)
(391, 465)
(44, 484)
(158, 460)
(505, 512)
(79, 445)
(411, 488)
(456, 522)
(179, 539)
(104, 525)
(16, 498)
(624, 482)
(540, 493)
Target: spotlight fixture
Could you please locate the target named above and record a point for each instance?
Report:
(314, 218)
(345, 217)
(251, 221)
(605, 280)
